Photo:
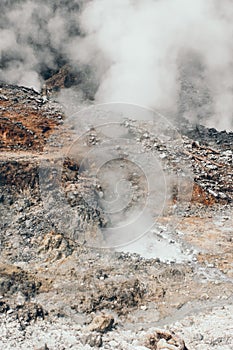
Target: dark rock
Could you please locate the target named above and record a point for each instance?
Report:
(94, 340)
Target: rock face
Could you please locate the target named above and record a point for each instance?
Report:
(68, 76)
(27, 121)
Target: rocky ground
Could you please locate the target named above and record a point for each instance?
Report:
(172, 290)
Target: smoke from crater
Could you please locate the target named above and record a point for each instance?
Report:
(172, 55)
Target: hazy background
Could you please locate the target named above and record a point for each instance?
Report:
(172, 55)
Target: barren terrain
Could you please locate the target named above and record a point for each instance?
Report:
(53, 285)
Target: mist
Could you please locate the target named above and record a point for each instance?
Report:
(173, 56)
(143, 47)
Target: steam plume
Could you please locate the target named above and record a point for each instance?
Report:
(145, 45)
(172, 55)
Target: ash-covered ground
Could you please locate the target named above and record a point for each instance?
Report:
(59, 288)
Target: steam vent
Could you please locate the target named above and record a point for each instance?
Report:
(116, 181)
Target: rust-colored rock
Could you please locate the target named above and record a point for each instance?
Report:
(26, 119)
(164, 340)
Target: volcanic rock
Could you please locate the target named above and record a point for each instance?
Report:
(164, 340)
(101, 323)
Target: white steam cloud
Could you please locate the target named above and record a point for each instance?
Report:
(172, 55)
(142, 47)
(33, 38)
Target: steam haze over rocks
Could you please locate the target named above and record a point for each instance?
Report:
(116, 186)
(174, 56)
